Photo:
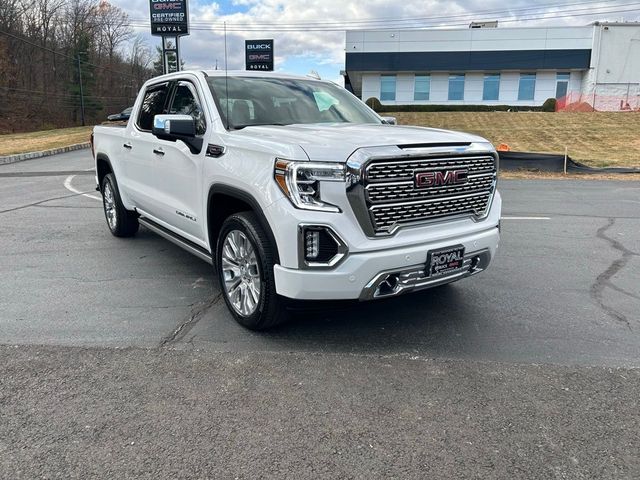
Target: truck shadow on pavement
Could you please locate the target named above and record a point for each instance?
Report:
(442, 320)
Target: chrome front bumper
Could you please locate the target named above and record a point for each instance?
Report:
(391, 283)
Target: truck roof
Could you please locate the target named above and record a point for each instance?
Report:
(235, 73)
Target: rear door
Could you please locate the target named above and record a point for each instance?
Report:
(140, 164)
(177, 176)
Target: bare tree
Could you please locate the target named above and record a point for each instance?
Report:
(46, 46)
(113, 27)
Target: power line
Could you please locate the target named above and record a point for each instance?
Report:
(68, 101)
(470, 15)
(258, 28)
(42, 47)
(402, 19)
(62, 95)
(90, 108)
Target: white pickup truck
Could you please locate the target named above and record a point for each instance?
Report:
(294, 189)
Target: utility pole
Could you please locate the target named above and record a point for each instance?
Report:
(81, 92)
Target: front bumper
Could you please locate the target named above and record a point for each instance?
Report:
(361, 274)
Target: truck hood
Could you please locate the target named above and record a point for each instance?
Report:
(336, 142)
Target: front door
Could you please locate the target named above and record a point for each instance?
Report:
(177, 180)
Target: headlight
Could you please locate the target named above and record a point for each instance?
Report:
(300, 182)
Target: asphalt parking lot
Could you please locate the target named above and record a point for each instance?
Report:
(119, 356)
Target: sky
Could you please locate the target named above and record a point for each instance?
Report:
(314, 37)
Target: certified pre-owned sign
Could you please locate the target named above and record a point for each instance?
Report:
(169, 17)
(259, 54)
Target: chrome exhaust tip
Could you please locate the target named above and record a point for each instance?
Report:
(388, 285)
(475, 265)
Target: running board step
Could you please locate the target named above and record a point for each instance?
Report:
(188, 245)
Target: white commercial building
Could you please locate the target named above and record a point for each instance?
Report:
(595, 66)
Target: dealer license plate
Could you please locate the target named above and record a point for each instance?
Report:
(445, 260)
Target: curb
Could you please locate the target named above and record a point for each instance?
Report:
(45, 153)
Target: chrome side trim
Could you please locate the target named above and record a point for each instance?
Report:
(177, 240)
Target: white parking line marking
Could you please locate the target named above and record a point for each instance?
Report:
(525, 218)
(71, 188)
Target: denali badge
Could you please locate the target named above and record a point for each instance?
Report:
(437, 179)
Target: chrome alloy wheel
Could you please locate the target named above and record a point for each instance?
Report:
(241, 273)
(109, 206)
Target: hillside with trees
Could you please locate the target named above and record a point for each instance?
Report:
(48, 46)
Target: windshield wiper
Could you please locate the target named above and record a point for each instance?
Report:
(240, 127)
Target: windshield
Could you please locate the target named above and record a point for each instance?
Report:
(277, 101)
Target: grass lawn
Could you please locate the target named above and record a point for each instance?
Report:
(45, 140)
(598, 139)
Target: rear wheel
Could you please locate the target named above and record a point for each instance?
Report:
(245, 258)
(121, 222)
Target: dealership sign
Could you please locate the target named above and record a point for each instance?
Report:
(169, 17)
(259, 54)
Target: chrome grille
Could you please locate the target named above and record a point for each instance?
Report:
(393, 200)
(398, 191)
(386, 216)
(387, 170)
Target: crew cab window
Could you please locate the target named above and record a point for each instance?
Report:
(185, 103)
(153, 104)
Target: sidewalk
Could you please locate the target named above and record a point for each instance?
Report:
(19, 157)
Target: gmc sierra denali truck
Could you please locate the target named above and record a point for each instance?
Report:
(294, 189)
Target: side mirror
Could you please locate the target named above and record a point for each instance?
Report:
(168, 127)
(177, 127)
(389, 120)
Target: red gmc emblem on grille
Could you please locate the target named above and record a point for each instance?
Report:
(441, 178)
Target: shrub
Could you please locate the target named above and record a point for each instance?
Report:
(549, 105)
(374, 103)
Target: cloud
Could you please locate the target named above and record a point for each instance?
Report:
(306, 49)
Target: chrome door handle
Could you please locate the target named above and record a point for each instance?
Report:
(158, 151)
(128, 146)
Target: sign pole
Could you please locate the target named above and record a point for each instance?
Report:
(177, 54)
(81, 91)
(170, 20)
(170, 54)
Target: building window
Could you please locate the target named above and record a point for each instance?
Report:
(562, 84)
(456, 87)
(422, 87)
(387, 87)
(491, 88)
(527, 87)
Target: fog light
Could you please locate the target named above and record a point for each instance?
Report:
(311, 244)
(319, 247)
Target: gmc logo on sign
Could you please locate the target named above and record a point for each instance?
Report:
(437, 179)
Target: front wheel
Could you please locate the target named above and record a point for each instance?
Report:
(245, 258)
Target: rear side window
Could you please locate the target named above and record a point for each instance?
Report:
(153, 104)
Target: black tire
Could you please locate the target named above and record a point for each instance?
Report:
(123, 223)
(270, 309)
